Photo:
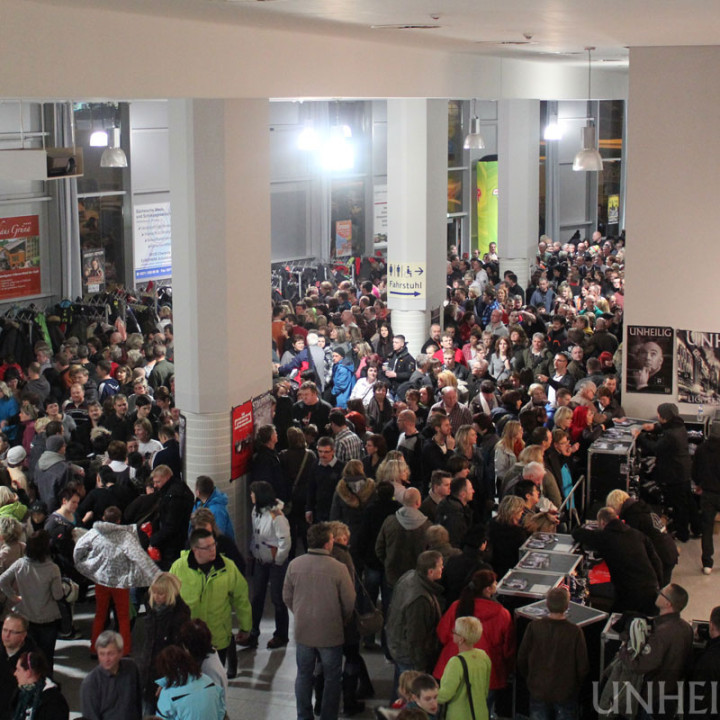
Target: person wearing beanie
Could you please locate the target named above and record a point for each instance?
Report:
(14, 461)
(667, 441)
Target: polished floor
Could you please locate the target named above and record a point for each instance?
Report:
(263, 689)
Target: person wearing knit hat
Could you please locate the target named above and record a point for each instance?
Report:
(667, 440)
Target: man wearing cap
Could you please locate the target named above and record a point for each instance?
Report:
(53, 472)
(667, 441)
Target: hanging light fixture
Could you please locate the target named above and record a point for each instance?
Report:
(114, 156)
(474, 140)
(553, 130)
(589, 158)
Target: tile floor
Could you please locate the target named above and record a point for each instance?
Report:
(263, 689)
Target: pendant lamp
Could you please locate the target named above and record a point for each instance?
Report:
(589, 159)
(114, 156)
(474, 140)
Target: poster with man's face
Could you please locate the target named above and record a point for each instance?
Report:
(698, 367)
(649, 359)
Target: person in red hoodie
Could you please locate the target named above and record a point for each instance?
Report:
(498, 638)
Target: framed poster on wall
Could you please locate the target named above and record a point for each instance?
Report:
(20, 257)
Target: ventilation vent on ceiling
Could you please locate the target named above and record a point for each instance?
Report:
(405, 27)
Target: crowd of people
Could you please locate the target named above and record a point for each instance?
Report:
(392, 491)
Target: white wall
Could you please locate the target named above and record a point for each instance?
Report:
(672, 197)
(47, 50)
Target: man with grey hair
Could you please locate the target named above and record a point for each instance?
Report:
(113, 690)
(535, 472)
(584, 394)
(457, 413)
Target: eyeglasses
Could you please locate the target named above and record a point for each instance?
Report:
(205, 547)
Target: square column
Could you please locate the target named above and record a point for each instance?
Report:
(220, 194)
(518, 184)
(417, 214)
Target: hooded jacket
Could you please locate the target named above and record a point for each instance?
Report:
(214, 596)
(343, 381)
(400, 541)
(111, 555)
(53, 472)
(349, 506)
(217, 503)
(15, 510)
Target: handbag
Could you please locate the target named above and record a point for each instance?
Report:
(371, 622)
(287, 508)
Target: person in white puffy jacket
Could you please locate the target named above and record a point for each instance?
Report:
(270, 547)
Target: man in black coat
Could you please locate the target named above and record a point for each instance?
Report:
(266, 463)
(667, 440)
(454, 512)
(707, 671)
(400, 363)
(170, 524)
(706, 474)
(635, 567)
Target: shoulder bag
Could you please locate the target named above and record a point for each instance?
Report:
(442, 709)
(371, 622)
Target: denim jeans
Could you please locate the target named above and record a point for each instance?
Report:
(567, 710)
(263, 574)
(331, 661)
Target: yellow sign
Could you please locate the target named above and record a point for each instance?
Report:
(613, 209)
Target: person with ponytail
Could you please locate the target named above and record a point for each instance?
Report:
(498, 637)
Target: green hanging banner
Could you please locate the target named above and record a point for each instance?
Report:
(487, 204)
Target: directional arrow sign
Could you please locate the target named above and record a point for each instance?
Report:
(398, 292)
(406, 279)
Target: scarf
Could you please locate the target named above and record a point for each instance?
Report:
(28, 700)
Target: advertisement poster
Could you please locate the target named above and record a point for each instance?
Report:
(347, 218)
(263, 409)
(649, 359)
(487, 205)
(380, 218)
(152, 241)
(698, 367)
(343, 238)
(613, 202)
(94, 271)
(19, 257)
(242, 439)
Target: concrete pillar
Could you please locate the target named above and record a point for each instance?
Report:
(518, 184)
(417, 210)
(220, 193)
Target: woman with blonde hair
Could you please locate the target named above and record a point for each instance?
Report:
(10, 506)
(395, 470)
(471, 663)
(167, 612)
(563, 418)
(506, 534)
(507, 450)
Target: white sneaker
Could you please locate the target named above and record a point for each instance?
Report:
(707, 570)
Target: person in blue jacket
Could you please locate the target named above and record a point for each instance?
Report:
(208, 496)
(343, 378)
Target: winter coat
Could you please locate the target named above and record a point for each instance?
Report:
(321, 489)
(400, 541)
(198, 698)
(639, 515)
(372, 520)
(291, 460)
(343, 381)
(669, 444)
(349, 507)
(266, 467)
(52, 704)
(455, 517)
(217, 503)
(271, 531)
(214, 596)
(414, 614)
(111, 555)
(320, 594)
(170, 523)
(162, 628)
(498, 639)
(52, 473)
(15, 510)
(505, 541)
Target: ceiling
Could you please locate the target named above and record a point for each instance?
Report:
(538, 29)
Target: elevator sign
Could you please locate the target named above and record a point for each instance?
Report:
(406, 280)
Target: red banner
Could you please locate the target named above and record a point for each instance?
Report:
(242, 439)
(19, 257)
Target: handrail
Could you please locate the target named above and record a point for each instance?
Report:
(565, 503)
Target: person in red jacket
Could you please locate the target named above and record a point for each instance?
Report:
(498, 638)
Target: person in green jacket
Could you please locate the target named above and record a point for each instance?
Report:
(10, 505)
(213, 587)
(454, 685)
